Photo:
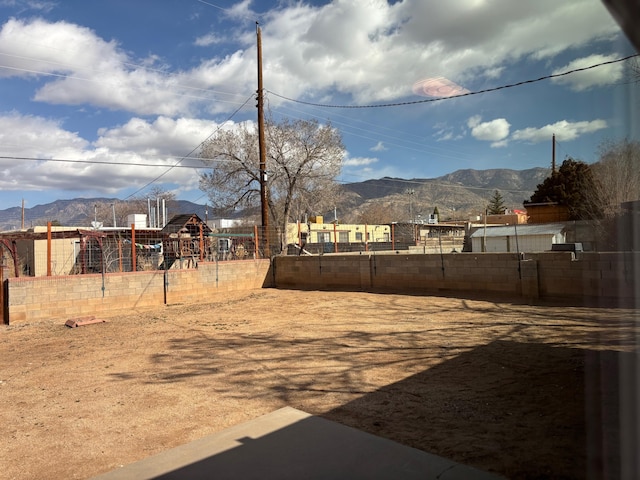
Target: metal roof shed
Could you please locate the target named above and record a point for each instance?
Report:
(518, 238)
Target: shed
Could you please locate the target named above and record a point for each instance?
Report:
(518, 238)
(185, 237)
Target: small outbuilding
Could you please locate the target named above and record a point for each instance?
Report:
(518, 238)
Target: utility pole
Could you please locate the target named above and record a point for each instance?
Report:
(261, 144)
(553, 154)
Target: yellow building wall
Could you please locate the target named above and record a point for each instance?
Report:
(368, 233)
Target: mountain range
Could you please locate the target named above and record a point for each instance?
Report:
(457, 195)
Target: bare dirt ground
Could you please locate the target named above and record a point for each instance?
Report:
(525, 391)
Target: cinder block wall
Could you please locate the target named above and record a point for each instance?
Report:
(64, 297)
(497, 273)
(589, 277)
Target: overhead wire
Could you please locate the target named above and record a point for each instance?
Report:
(435, 182)
(467, 94)
(194, 149)
(113, 163)
(104, 82)
(311, 104)
(420, 146)
(366, 134)
(73, 67)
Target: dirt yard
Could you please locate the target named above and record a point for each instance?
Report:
(528, 392)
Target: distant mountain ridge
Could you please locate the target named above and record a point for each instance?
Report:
(462, 193)
(77, 212)
(465, 191)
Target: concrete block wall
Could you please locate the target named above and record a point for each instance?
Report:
(588, 277)
(497, 273)
(39, 298)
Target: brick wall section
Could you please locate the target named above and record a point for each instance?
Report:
(38, 298)
(589, 277)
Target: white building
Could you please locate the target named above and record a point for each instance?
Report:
(518, 238)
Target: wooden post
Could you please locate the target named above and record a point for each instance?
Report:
(335, 237)
(134, 267)
(553, 154)
(256, 241)
(48, 249)
(201, 244)
(262, 148)
(393, 236)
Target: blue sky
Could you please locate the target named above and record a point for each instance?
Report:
(103, 98)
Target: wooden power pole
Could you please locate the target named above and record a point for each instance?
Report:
(553, 153)
(263, 153)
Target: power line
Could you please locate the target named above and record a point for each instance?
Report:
(229, 11)
(98, 162)
(194, 149)
(487, 90)
(367, 133)
(429, 182)
(74, 77)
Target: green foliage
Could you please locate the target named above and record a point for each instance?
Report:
(573, 186)
(496, 204)
(436, 212)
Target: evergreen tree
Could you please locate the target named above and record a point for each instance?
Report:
(573, 186)
(496, 204)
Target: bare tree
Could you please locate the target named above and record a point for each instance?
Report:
(377, 212)
(617, 175)
(303, 160)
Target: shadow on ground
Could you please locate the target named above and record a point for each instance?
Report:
(521, 410)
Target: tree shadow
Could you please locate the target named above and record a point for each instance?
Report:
(521, 410)
(525, 405)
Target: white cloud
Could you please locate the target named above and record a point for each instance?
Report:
(563, 130)
(445, 132)
(379, 147)
(206, 40)
(406, 38)
(595, 77)
(410, 38)
(117, 154)
(358, 161)
(91, 71)
(163, 136)
(492, 131)
(38, 5)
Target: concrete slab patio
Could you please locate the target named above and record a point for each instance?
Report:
(292, 444)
